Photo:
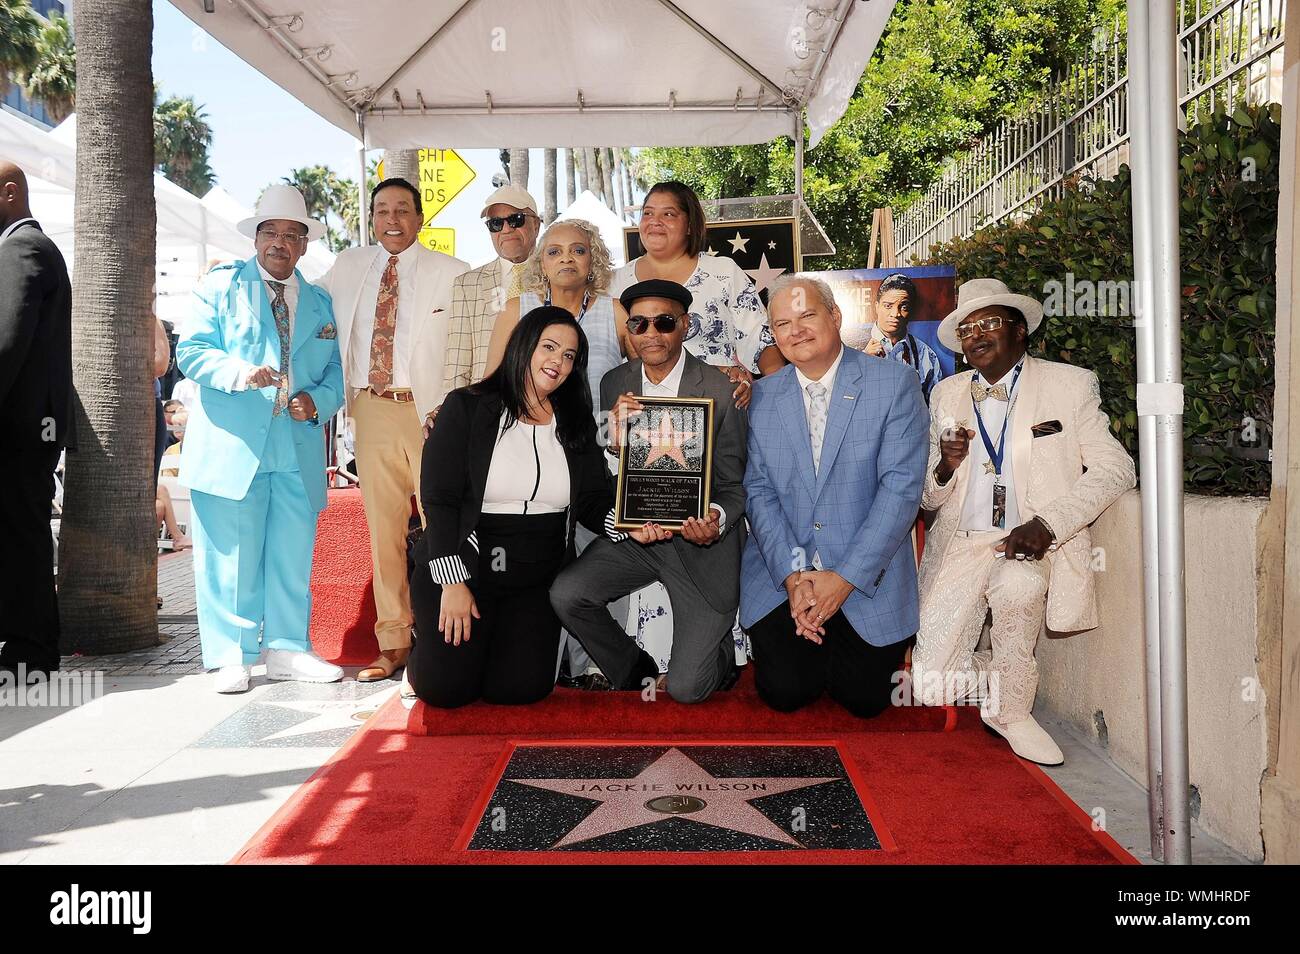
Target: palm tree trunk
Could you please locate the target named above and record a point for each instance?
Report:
(593, 172)
(570, 178)
(519, 167)
(627, 172)
(108, 553)
(607, 171)
(548, 201)
(584, 170)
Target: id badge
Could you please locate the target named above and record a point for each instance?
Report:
(999, 516)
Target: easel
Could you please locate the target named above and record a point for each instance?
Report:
(882, 239)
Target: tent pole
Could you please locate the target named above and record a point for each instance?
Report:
(1167, 407)
(363, 200)
(1139, 88)
(798, 156)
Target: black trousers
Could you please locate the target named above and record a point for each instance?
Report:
(29, 612)
(790, 671)
(511, 655)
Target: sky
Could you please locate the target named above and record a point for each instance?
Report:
(260, 132)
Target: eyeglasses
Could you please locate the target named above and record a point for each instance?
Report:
(516, 219)
(992, 323)
(664, 324)
(289, 238)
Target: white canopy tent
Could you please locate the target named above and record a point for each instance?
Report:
(491, 73)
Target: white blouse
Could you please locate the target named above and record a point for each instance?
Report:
(727, 318)
(529, 472)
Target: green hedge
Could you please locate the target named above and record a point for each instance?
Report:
(1228, 188)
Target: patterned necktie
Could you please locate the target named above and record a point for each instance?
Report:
(979, 392)
(280, 309)
(381, 339)
(515, 282)
(817, 420)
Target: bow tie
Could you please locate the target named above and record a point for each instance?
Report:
(979, 392)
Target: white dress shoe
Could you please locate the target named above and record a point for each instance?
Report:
(1028, 739)
(281, 664)
(231, 679)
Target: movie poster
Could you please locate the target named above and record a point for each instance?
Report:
(916, 300)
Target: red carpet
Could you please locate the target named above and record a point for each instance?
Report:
(342, 595)
(394, 795)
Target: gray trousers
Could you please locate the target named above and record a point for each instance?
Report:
(579, 662)
(703, 651)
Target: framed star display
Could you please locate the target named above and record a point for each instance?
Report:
(665, 463)
(763, 248)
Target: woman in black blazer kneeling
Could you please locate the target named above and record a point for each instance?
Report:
(511, 464)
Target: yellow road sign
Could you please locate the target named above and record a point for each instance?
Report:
(439, 240)
(443, 174)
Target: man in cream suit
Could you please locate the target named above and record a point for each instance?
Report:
(1022, 460)
(392, 303)
(478, 296)
(262, 345)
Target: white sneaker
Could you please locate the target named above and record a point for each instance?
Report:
(281, 664)
(1029, 740)
(231, 679)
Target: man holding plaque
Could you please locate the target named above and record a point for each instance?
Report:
(1022, 460)
(837, 450)
(681, 450)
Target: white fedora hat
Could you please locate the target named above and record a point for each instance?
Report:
(281, 202)
(981, 293)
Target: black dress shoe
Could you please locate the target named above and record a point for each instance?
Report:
(596, 682)
(571, 682)
(730, 679)
(645, 668)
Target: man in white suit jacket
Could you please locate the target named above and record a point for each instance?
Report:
(392, 303)
(1022, 461)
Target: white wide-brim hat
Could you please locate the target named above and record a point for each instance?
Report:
(981, 293)
(281, 202)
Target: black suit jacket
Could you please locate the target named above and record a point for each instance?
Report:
(716, 568)
(35, 342)
(454, 472)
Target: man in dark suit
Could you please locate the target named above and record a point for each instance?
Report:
(700, 565)
(35, 416)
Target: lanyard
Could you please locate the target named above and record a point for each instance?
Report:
(586, 300)
(996, 454)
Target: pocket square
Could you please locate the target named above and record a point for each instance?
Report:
(1046, 427)
(328, 332)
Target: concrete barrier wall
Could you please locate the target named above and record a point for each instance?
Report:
(1096, 679)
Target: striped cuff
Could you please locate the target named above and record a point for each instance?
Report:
(473, 540)
(448, 570)
(615, 535)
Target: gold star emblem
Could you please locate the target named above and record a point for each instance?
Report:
(989, 468)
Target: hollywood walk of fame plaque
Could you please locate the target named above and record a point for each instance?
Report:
(665, 463)
(680, 797)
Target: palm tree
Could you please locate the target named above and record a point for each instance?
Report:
(53, 80)
(570, 178)
(108, 553)
(519, 168)
(20, 31)
(183, 137)
(350, 211)
(548, 177)
(326, 194)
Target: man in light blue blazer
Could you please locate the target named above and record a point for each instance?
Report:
(262, 346)
(837, 452)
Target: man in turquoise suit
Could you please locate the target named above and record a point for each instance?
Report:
(262, 346)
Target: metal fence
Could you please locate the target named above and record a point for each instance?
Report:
(1230, 52)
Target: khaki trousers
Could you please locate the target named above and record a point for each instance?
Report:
(972, 580)
(389, 443)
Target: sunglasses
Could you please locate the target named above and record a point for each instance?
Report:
(664, 324)
(992, 323)
(289, 238)
(516, 219)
